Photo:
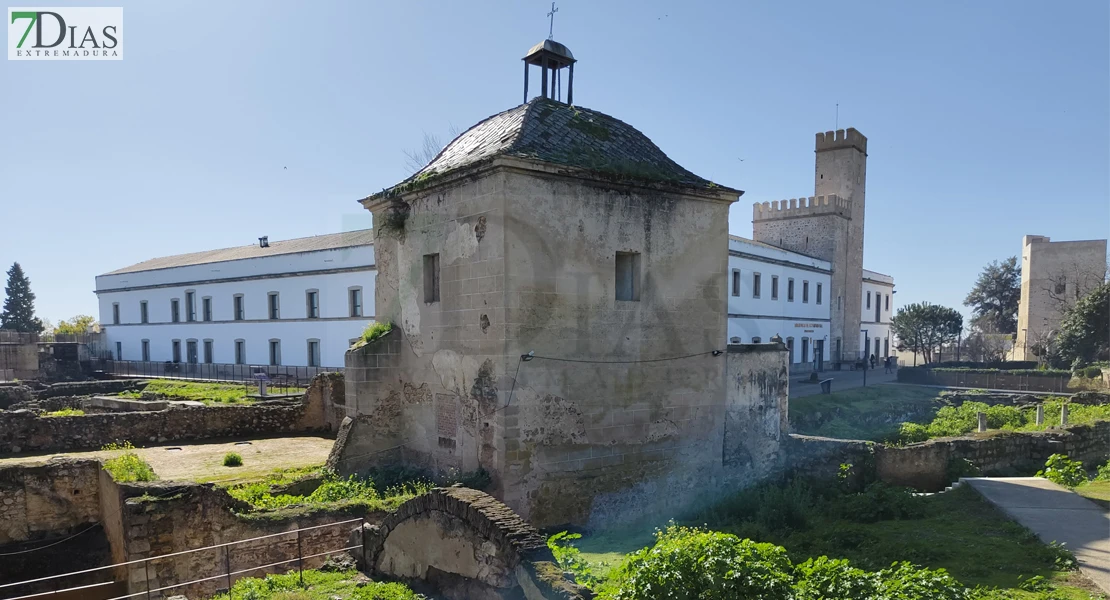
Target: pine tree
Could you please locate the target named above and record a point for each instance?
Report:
(19, 306)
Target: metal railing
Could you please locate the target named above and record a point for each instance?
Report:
(279, 375)
(226, 574)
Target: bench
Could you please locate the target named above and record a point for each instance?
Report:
(826, 386)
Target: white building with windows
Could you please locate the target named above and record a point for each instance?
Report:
(296, 302)
(773, 291)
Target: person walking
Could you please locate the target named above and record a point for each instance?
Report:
(886, 364)
(872, 362)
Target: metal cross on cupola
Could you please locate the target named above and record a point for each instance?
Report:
(551, 26)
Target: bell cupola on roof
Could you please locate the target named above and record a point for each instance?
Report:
(553, 56)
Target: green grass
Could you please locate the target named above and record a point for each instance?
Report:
(127, 466)
(207, 392)
(963, 419)
(318, 585)
(65, 412)
(1099, 491)
(864, 413)
(957, 531)
(373, 331)
(334, 492)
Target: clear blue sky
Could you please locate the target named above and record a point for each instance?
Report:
(986, 120)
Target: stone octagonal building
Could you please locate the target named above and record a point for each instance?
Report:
(557, 289)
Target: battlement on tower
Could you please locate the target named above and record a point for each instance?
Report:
(842, 138)
(802, 207)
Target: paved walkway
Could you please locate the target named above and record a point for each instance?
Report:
(842, 380)
(1055, 514)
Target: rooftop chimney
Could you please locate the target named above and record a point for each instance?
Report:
(264, 241)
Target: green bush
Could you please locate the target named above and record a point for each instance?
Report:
(879, 502)
(127, 467)
(825, 578)
(233, 459)
(334, 490)
(688, 563)
(911, 433)
(1103, 472)
(1061, 470)
(694, 563)
(1033, 372)
(1092, 372)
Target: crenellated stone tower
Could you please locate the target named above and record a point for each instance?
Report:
(829, 226)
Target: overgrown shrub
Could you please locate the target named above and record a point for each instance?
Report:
(879, 502)
(128, 466)
(1092, 372)
(694, 563)
(569, 558)
(1061, 470)
(233, 459)
(1103, 472)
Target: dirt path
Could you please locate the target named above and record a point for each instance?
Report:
(203, 462)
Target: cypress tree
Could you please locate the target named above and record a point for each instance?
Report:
(19, 306)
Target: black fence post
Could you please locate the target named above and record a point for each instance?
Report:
(146, 570)
(227, 566)
(300, 561)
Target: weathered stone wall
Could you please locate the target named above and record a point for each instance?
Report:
(925, 466)
(55, 497)
(158, 519)
(13, 394)
(24, 431)
(467, 545)
(527, 263)
(1001, 380)
(19, 358)
(89, 388)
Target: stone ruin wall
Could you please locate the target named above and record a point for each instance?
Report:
(19, 355)
(319, 410)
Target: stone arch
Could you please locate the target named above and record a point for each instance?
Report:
(466, 544)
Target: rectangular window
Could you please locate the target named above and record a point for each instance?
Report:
(790, 350)
(208, 351)
(275, 352)
(431, 278)
(790, 290)
(868, 299)
(736, 282)
(878, 311)
(805, 291)
(757, 285)
(314, 353)
(146, 350)
(175, 310)
(238, 308)
(774, 287)
(119, 350)
(190, 306)
(144, 314)
(628, 276)
(272, 299)
(115, 313)
(206, 309)
(312, 304)
(191, 352)
(887, 303)
(819, 293)
(177, 351)
(354, 299)
(240, 352)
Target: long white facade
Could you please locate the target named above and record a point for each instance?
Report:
(772, 291)
(294, 303)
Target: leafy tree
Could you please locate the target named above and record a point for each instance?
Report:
(923, 327)
(995, 297)
(77, 325)
(1084, 334)
(19, 306)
